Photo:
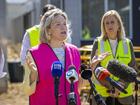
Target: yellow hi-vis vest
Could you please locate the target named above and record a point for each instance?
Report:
(34, 35)
(123, 55)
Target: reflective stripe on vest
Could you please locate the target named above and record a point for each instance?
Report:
(34, 35)
(123, 54)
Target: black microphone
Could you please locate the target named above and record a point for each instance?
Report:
(56, 70)
(87, 74)
(72, 76)
(122, 71)
(103, 74)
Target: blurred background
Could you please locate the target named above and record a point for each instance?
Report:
(85, 15)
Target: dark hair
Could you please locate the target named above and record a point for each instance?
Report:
(47, 7)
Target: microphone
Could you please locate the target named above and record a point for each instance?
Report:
(102, 74)
(56, 71)
(87, 74)
(122, 71)
(72, 76)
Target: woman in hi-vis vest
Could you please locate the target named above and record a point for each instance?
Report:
(41, 80)
(113, 43)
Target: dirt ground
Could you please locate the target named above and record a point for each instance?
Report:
(15, 96)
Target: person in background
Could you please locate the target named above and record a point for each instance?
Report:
(39, 82)
(31, 36)
(2, 60)
(113, 41)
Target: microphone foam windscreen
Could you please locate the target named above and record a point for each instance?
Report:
(122, 71)
(86, 74)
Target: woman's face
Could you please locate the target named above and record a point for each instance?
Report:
(111, 26)
(58, 28)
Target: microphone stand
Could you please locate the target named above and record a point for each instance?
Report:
(56, 83)
(97, 97)
(86, 74)
(72, 95)
(136, 91)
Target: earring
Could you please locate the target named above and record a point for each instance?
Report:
(49, 36)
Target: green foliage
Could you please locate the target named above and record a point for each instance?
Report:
(86, 34)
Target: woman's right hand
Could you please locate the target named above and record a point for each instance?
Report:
(30, 63)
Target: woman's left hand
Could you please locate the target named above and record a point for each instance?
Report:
(115, 94)
(96, 59)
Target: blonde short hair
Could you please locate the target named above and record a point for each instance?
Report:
(46, 21)
(121, 31)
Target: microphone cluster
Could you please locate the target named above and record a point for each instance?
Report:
(103, 74)
(114, 67)
(122, 71)
(71, 76)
